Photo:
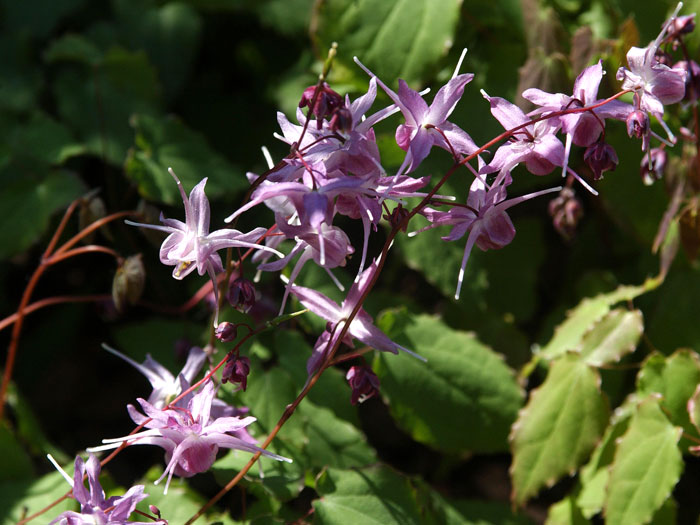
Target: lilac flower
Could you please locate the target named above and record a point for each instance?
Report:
(94, 508)
(191, 436)
(653, 83)
(427, 126)
(165, 385)
(360, 328)
(484, 217)
(190, 245)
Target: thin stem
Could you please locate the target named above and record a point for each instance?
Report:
(94, 226)
(42, 303)
(92, 248)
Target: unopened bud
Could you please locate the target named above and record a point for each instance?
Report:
(637, 124)
(226, 332)
(692, 79)
(341, 120)
(653, 165)
(364, 383)
(681, 25)
(236, 370)
(128, 282)
(566, 212)
(600, 157)
(241, 294)
(327, 101)
(395, 219)
(91, 209)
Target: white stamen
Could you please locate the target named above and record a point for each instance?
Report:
(268, 157)
(459, 283)
(60, 470)
(335, 280)
(459, 62)
(284, 279)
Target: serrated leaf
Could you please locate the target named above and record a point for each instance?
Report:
(164, 143)
(595, 474)
(674, 377)
(566, 512)
(613, 336)
(569, 334)
(371, 496)
(464, 397)
(28, 204)
(646, 467)
(558, 427)
(394, 38)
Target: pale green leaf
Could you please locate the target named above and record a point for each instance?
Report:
(647, 465)
(558, 428)
(464, 398)
(23, 498)
(569, 335)
(613, 336)
(566, 512)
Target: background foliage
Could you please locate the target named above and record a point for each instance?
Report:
(107, 95)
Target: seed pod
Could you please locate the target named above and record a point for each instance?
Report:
(128, 282)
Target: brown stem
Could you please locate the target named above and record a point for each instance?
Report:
(42, 303)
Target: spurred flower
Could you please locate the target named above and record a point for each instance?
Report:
(190, 245)
(364, 383)
(94, 507)
(191, 435)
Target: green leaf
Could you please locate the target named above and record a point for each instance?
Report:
(19, 499)
(73, 48)
(163, 143)
(569, 335)
(16, 464)
(613, 336)
(674, 377)
(28, 205)
(474, 512)
(373, 495)
(566, 512)
(395, 38)
(98, 100)
(558, 427)
(646, 467)
(595, 474)
(464, 398)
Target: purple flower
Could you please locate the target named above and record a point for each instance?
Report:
(94, 508)
(364, 383)
(427, 126)
(655, 84)
(190, 245)
(236, 370)
(191, 436)
(360, 328)
(165, 385)
(653, 165)
(484, 216)
(600, 157)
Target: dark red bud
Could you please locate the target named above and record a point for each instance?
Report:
(566, 212)
(327, 101)
(226, 332)
(241, 294)
(600, 157)
(364, 383)
(396, 217)
(341, 120)
(637, 124)
(236, 370)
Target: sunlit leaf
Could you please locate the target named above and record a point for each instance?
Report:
(613, 336)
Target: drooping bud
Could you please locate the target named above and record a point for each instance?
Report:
(92, 208)
(128, 282)
(341, 120)
(566, 211)
(680, 25)
(637, 124)
(327, 101)
(236, 370)
(226, 332)
(692, 79)
(364, 383)
(241, 294)
(652, 166)
(600, 157)
(396, 217)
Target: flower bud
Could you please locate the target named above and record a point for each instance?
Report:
(364, 383)
(637, 124)
(327, 101)
(128, 282)
(566, 211)
(226, 332)
(681, 25)
(241, 294)
(652, 166)
(236, 370)
(600, 157)
(397, 215)
(341, 120)
(92, 208)
(692, 79)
